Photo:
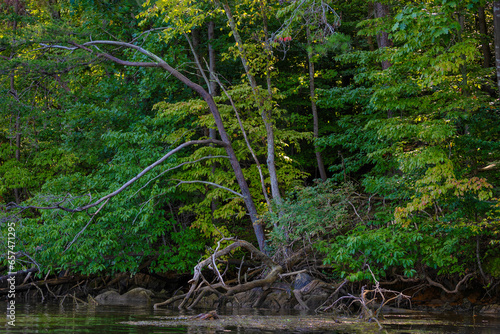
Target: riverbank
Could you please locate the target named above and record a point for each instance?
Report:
(297, 292)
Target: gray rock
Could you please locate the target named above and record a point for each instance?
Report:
(493, 309)
(301, 280)
(133, 297)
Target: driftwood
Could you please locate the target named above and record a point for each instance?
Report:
(20, 272)
(28, 286)
(200, 286)
(369, 299)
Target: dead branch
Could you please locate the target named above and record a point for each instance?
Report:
(228, 289)
(123, 187)
(294, 273)
(85, 227)
(368, 297)
(179, 166)
(439, 285)
(21, 272)
(36, 284)
(210, 183)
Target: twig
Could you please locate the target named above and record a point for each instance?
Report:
(239, 269)
(85, 227)
(178, 166)
(294, 273)
(41, 292)
(210, 183)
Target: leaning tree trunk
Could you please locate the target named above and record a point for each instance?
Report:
(159, 62)
(496, 21)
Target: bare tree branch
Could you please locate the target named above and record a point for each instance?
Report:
(178, 166)
(439, 285)
(85, 227)
(265, 283)
(123, 187)
(212, 184)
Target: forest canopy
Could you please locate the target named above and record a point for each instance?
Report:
(140, 133)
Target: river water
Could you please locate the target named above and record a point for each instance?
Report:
(52, 318)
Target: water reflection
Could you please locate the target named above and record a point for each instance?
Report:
(53, 318)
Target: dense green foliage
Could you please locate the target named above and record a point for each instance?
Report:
(412, 151)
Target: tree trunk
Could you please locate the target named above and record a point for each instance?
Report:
(205, 95)
(314, 109)
(485, 47)
(463, 68)
(195, 38)
(212, 88)
(17, 133)
(383, 40)
(265, 114)
(258, 229)
(496, 21)
(273, 174)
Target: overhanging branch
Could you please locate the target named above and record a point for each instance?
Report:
(123, 187)
(212, 184)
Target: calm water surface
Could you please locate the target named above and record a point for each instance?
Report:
(52, 318)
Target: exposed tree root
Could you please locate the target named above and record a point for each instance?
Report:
(200, 286)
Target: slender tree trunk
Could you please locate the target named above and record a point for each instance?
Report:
(212, 88)
(383, 40)
(314, 109)
(463, 68)
(485, 47)
(369, 38)
(266, 117)
(195, 38)
(496, 21)
(245, 191)
(17, 133)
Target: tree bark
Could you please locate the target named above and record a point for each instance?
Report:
(485, 47)
(314, 108)
(383, 40)
(463, 68)
(496, 21)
